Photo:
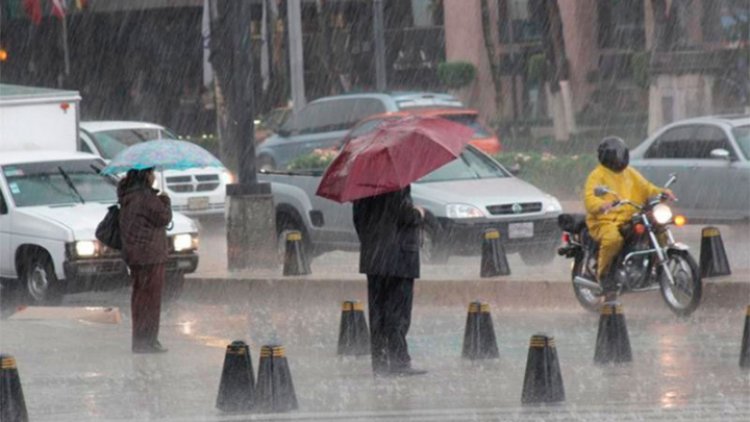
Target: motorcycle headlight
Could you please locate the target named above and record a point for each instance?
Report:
(85, 248)
(662, 214)
(463, 211)
(184, 242)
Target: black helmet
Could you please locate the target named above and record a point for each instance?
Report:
(613, 153)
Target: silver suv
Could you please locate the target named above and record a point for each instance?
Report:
(324, 122)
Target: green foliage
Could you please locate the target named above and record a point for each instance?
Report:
(639, 64)
(456, 75)
(536, 69)
(317, 160)
(559, 175)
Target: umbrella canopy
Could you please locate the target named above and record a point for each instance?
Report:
(392, 156)
(162, 154)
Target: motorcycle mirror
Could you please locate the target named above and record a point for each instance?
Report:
(672, 179)
(601, 191)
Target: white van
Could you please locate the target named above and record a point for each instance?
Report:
(194, 192)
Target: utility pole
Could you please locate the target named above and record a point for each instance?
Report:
(251, 225)
(379, 35)
(296, 59)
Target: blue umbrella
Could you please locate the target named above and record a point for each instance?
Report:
(162, 154)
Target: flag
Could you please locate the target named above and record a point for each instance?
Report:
(33, 9)
(58, 8)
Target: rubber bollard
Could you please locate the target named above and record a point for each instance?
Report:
(713, 259)
(275, 390)
(494, 262)
(745, 349)
(543, 381)
(237, 385)
(612, 341)
(354, 336)
(479, 336)
(295, 261)
(12, 404)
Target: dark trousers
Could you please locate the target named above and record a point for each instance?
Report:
(390, 302)
(145, 303)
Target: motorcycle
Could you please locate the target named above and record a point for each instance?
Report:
(650, 259)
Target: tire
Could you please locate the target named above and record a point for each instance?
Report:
(174, 284)
(39, 282)
(266, 162)
(590, 301)
(540, 255)
(286, 224)
(684, 296)
(431, 251)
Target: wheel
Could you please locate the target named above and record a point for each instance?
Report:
(684, 296)
(266, 162)
(430, 251)
(39, 281)
(588, 299)
(173, 287)
(284, 225)
(540, 255)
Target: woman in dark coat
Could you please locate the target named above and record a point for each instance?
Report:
(388, 228)
(144, 217)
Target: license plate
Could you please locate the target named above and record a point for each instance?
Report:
(199, 203)
(520, 230)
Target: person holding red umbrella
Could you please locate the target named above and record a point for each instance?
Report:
(375, 172)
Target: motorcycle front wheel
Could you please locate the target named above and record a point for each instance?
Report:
(684, 295)
(586, 297)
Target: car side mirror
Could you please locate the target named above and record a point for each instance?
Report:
(720, 153)
(515, 169)
(601, 191)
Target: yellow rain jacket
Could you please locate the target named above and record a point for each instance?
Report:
(604, 227)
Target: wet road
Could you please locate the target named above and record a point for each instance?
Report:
(683, 369)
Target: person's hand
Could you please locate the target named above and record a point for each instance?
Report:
(607, 207)
(420, 210)
(668, 194)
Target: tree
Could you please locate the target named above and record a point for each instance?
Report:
(492, 58)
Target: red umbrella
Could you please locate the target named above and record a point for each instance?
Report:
(392, 156)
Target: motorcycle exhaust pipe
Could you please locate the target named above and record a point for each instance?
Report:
(594, 287)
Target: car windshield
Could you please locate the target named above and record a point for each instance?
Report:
(111, 142)
(742, 135)
(469, 165)
(58, 183)
(470, 121)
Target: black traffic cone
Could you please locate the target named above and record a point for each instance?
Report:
(543, 381)
(745, 350)
(295, 261)
(237, 385)
(275, 390)
(612, 342)
(494, 261)
(354, 336)
(479, 336)
(12, 404)
(713, 261)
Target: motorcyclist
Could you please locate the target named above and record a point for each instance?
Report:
(603, 219)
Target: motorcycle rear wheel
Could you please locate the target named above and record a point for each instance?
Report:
(588, 299)
(684, 296)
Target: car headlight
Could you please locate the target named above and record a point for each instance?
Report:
(227, 178)
(662, 214)
(184, 242)
(553, 205)
(463, 211)
(85, 248)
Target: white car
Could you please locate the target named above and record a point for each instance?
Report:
(194, 192)
(50, 205)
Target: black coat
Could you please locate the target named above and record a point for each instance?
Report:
(388, 228)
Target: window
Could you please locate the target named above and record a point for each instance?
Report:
(522, 21)
(742, 136)
(690, 142)
(111, 142)
(85, 147)
(621, 24)
(469, 165)
(3, 205)
(672, 144)
(470, 121)
(336, 115)
(726, 21)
